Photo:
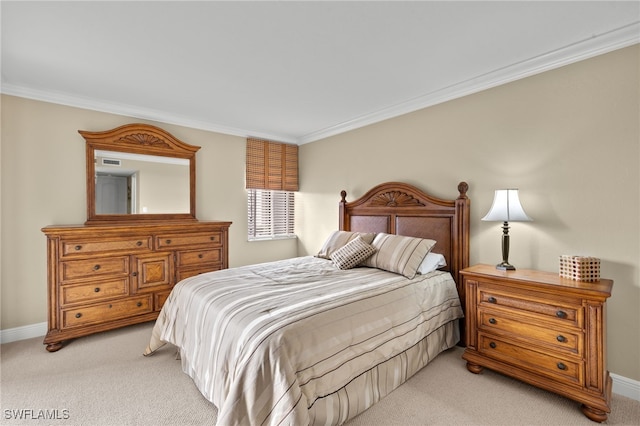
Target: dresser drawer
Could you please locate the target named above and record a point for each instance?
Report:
(198, 257)
(94, 268)
(95, 291)
(558, 368)
(70, 248)
(552, 311)
(496, 322)
(192, 272)
(106, 312)
(169, 241)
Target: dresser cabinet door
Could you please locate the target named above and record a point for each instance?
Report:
(152, 272)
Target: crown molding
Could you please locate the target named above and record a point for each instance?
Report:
(584, 49)
(134, 112)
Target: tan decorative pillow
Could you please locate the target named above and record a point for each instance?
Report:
(352, 254)
(340, 238)
(398, 253)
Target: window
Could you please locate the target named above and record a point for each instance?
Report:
(272, 179)
(270, 214)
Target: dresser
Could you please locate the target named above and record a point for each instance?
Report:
(542, 329)
(102, 277)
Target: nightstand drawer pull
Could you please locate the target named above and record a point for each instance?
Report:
(78, 315)
(492, 321)
(95, 268)
(78, 247)
(139, 243)
(561, 314)
(493, 345)
(97, 289)
(561, 366)
(561, 339)
(492, 300)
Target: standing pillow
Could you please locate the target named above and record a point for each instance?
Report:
(338, 239)
(352, 254)
(398, 253)
(431, 262)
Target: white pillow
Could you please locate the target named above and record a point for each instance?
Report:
(431, 262)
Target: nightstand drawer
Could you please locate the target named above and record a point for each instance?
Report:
(544, 309)
(557, 368)
(496, 322)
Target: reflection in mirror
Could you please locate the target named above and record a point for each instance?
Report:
(127, 183)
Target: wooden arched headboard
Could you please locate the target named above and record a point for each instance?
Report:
(402, 209)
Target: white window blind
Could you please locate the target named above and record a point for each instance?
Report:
(270, 214)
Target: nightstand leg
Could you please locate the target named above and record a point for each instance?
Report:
(594, 414)
(474, 368)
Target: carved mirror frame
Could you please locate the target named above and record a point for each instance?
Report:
(137, 139)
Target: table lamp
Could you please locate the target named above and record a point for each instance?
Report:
(506, 208)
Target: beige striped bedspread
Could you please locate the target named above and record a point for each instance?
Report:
(266, 342)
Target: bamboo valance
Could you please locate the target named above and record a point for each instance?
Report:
(271, 165)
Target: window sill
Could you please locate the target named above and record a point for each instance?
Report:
(278, 237)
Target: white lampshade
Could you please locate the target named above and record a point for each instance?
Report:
(506, 207)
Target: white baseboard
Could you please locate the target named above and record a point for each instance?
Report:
(621, 385)
(23, 333)
(626, 387)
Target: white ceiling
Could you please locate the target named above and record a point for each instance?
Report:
(292, 71)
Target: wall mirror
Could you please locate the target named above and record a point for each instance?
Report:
(139, 172)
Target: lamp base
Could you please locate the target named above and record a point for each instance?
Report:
(505, 266)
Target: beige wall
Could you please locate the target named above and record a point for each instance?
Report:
(568, 138)
(43, 183)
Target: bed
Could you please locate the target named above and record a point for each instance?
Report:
(319, 339)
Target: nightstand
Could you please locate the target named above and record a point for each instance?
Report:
(542, 329)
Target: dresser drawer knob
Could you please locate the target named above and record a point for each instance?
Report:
(134, 273)
(561, 339)
(492, 321)
(139, 304)
(492, 299)
(493, 345)
(78, 315)
(200, 256)
(96, 267)
(78, 247)
(139, 243)
(561, 366)
(97, 289)
(561, 314)
(167, 241)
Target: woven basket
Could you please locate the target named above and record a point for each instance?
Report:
(580, 268)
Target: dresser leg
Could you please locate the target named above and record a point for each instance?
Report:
(594, 414)
(55, 346)
(474, 368)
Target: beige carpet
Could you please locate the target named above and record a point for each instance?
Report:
(104, 380)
